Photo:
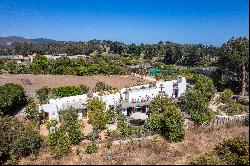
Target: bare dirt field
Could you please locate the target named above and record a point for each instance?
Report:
(197, 142)
(32, 82)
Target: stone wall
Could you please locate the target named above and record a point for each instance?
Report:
(222, 120)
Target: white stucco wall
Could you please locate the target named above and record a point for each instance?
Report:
(143, 93)
(182, 85)
(113, 99)
(54, 105)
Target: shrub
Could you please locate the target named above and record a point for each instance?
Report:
(78, 151)
(17, 140)
(199, 117)
(67, 91)
(12, 96)
(140, 131)
(208, 159)
(11, 67)
(101, 86)
(69, 124)
(51, 123)
(196, 105)
(96, 114)
(226, 96)
(156, 138)
(110, 114)
(166, 119)
(114, 90)
(108, 144)
(31, 109)
(232, 151)
(58, 143)
(244, 102)
(85, 89)
(43, 94)
(233, 108)
(124, 129)
(101, 93)
(115, 135)
(93, 135)
(91, 149)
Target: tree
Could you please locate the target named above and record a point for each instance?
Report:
(196, 105)
(96, 114)
(166, 118)
(204, 86)
(234, 62)
(11, 67)
(70, 125)
(43, 94)
(17, 139)
(40, 64)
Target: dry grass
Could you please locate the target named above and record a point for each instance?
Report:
(53, 81)
(197, 142)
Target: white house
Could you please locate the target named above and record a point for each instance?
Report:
(134, 97)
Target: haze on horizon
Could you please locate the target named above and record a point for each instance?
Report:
(142, 21)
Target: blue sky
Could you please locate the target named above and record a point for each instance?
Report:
(138, 21)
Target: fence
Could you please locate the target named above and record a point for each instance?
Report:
(222, 120)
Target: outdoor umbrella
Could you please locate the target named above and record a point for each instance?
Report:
(138, 115)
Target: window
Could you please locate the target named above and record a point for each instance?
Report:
(84, 113)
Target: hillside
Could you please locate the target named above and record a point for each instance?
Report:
(7, 41)
(196, 143)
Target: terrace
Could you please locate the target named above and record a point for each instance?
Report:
(135, 112)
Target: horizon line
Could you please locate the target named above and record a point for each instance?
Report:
(127, 43)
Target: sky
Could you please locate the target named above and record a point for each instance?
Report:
(130, 21)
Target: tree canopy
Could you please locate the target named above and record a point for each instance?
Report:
(233, 62)
(166, 118)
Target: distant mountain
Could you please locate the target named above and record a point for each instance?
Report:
(7, 41)
(43, 41)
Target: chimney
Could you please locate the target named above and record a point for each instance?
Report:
(126, 95)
